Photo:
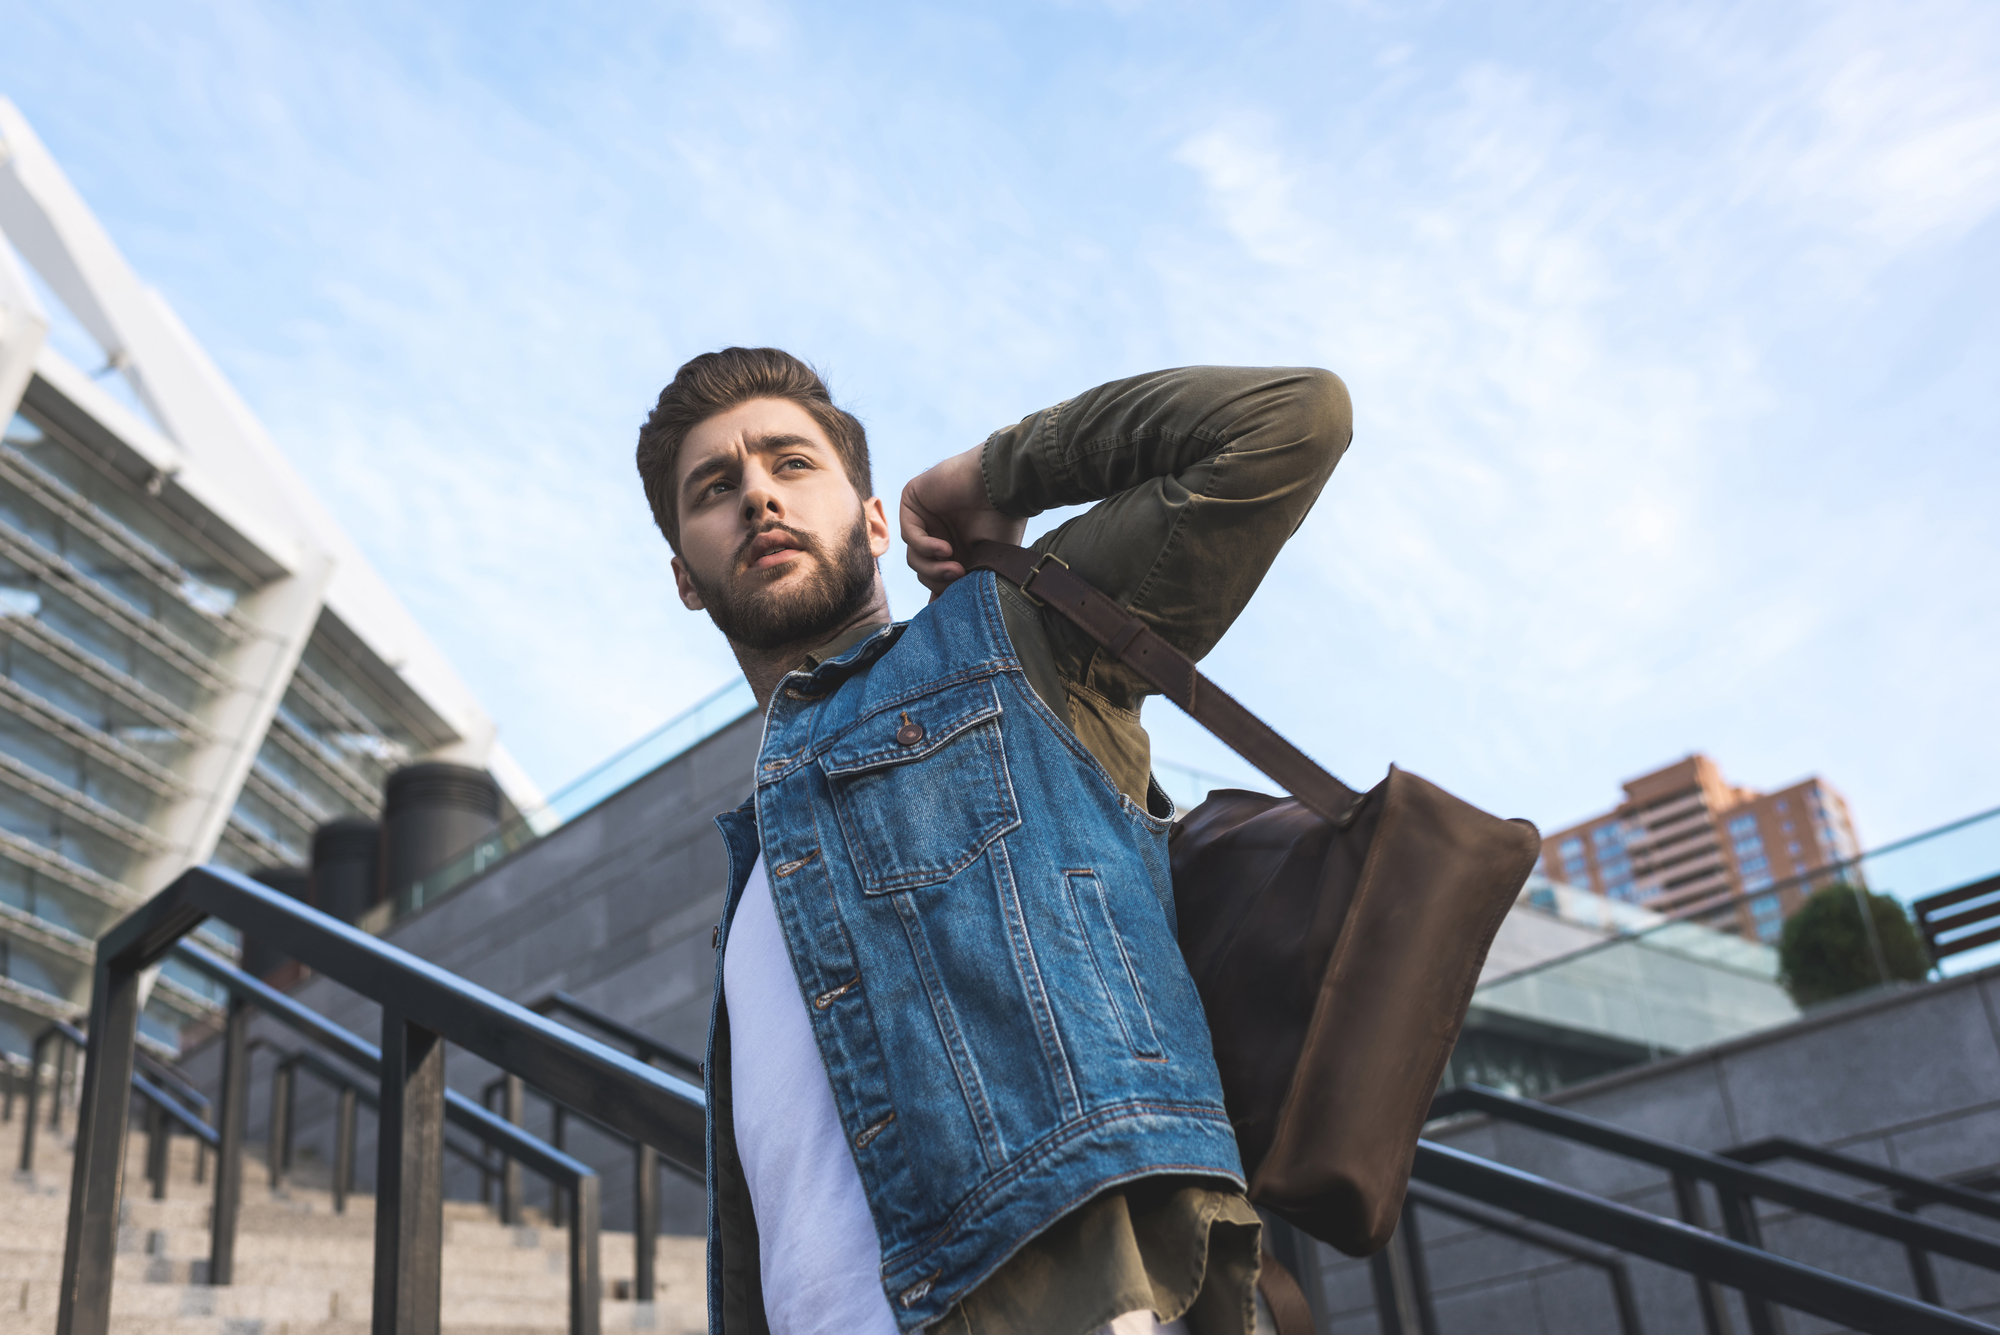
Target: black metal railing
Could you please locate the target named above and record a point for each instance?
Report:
(1737, 1260)
(351, 1094)
(1911, 1192)
(248, 994)
(65, 1040)
(646, 1164)
(423, 1008)
(169, 1102)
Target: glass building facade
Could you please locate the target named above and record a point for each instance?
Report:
(192, 657)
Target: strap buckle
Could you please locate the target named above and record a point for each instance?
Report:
(1036, 570)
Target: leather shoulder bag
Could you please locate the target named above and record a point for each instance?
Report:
(1334, 936)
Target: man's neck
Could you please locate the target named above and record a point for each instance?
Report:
(765, 668)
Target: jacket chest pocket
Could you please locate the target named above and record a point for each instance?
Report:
(922, 789)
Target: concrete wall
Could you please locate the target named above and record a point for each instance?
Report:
(614, 908)
(1910, 1080)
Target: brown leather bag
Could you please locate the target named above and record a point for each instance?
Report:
(1334, 936)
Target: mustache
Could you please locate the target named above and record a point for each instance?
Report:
(806, 541)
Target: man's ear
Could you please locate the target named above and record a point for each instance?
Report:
(690, 598)
(877, 516)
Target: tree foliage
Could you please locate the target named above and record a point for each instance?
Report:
(1825, 951)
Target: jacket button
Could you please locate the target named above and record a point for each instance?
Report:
(910, 733)
(715, 937)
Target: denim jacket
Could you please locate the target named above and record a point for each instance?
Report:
(1088, 1062)
(982, 925)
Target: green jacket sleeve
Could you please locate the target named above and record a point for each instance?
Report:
(1199, 476)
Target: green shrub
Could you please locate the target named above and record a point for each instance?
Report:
(1825, 952)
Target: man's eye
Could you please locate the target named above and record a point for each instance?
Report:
(802, 463)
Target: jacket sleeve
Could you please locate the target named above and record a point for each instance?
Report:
(1199, 475)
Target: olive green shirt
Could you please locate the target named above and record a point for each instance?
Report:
(1198, 477)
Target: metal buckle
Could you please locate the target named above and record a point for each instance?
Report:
(1045, 556)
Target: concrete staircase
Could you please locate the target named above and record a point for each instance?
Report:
(301, 1269)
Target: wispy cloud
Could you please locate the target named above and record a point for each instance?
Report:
(1665, 331)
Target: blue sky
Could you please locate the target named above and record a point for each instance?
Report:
(1671, 330)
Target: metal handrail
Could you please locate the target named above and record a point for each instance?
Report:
(1911, 1192)
(1908, 1186)
(248, 991)
(644, 1046)
(645, 1164)
(58, 1031)
(423, 1008)
(1669, 1242)
(353, 1095)
(1738, 1187)
(1610, 1262)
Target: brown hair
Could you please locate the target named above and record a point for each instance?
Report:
(714, 383)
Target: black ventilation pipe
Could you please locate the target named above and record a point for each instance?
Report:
(346, 862)
(430, 814)
(260, 960)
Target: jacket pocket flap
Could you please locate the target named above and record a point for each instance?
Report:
(913, 729)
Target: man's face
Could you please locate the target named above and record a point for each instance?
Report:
(776, 546)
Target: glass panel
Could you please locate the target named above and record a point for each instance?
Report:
(1652, 990)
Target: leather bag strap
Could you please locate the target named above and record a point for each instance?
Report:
(1047, 580)
(1290, 1312)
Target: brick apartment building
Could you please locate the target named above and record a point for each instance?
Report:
(1685, 837)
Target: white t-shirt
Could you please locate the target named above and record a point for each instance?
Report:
(820, 1260)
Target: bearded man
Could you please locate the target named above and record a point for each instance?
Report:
(958, 1077)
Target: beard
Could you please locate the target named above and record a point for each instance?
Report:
(839, 585)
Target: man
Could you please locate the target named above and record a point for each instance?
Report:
(958, 1077)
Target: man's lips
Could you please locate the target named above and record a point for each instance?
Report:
(768, 550)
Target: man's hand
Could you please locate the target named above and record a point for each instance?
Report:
(945, 511)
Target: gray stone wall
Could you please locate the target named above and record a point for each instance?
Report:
(1910, 1080)
(614, 908)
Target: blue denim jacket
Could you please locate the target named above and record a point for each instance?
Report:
(982, 927)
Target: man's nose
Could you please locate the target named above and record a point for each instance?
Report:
(760, 500)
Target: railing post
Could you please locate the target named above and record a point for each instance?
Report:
(512, 1095)
(57, 1081)
(279, 1156)
(586, 1288)
(409, 1180)
(156, 1149)
(234, 1111)
(645, 1219)
(31, 1112)
(558, 1125)
(1739, 1220)
(1921, 1271)
(91, 1246)
(343, 1150)
(1714, 1312)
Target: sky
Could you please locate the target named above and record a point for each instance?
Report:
(1670, 328)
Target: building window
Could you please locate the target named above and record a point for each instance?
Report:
(1749, 848)
(1608, 838)
(1571, 847)
(1794, 849)
(1752, 864)
(1623, 890)
(1765, 906)
(1743, 826)
(1758, 880)
(1770, 929)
